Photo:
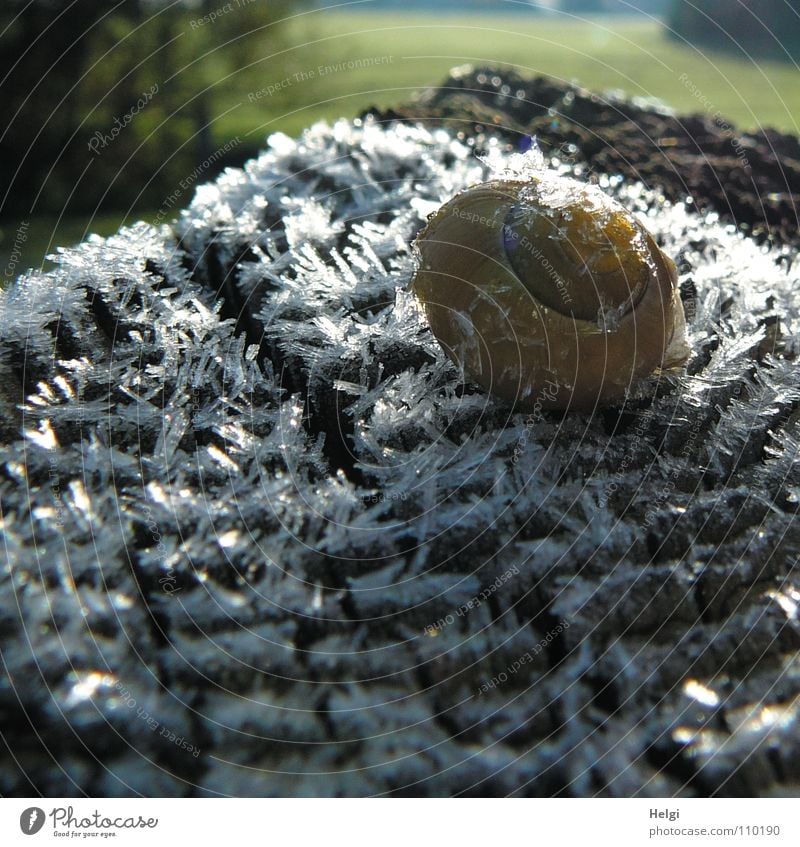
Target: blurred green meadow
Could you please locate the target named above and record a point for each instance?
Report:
(321, 65)
(630, 54)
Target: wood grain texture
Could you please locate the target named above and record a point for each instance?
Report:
(260, 539)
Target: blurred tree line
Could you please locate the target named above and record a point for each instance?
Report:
(110, 105)
(768, 28)
(618, 7)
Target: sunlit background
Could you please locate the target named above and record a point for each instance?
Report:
(115, 112)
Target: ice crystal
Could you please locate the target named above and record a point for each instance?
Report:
(245, 430)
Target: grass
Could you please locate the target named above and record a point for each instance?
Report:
(633, 55)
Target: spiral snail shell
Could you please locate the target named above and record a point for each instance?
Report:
(548, 292)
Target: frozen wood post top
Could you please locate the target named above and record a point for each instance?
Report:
(260, 539)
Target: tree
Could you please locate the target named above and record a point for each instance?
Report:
(582, 6)
(45, 45)
(108, 104)
(754, 27)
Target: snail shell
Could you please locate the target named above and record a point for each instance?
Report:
(548, 292)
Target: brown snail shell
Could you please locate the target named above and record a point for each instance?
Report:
(548, 292)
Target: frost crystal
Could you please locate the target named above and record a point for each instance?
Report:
(241, 483)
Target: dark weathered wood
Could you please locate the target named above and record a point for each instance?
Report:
(259, 538)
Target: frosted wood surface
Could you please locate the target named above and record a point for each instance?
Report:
(260, 539)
